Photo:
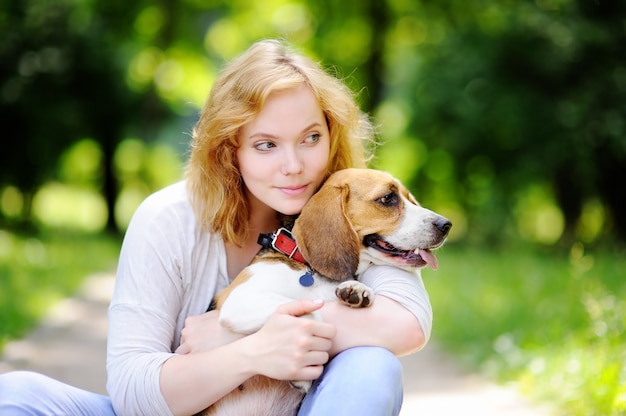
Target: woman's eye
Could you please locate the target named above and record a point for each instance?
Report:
(264, 146)
(312, 138)
(391, 199)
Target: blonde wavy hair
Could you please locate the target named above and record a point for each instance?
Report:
(238, 95)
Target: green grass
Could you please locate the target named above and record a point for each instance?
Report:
(553, 324)
(36, 271)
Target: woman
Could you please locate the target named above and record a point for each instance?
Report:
(274, 127)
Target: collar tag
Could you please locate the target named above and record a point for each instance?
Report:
(306, 279)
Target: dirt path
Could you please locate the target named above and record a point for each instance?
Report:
(70, 345)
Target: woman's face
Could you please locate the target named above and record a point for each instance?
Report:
(283, 152)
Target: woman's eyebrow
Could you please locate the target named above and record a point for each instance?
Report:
(312, 125)
(264, 135)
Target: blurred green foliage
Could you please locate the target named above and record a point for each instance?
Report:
(552, 325)
(527, 100)
(505, 116)
(479, 98)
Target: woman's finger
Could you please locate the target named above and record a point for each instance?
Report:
(182, 349)
(300, 307)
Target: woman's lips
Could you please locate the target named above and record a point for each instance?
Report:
(293, 190)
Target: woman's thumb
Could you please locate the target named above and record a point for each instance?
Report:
(300, 307)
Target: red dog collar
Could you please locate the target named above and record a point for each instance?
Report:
(283, 242)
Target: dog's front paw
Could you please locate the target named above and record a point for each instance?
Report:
(354, 294)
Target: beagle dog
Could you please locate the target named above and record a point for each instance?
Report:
(358, 217)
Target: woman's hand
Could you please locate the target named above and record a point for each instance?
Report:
(288, 347)
(204, 332)
(291, 347)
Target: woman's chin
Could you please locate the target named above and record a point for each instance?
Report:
(290, 209)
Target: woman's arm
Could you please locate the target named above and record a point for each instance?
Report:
(385, 324)
(167, 270)
(399, 319)
(286, 348)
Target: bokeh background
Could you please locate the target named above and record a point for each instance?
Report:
(506, 116)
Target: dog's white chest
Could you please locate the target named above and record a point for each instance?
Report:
(271, 284)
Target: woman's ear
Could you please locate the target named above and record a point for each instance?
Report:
(325, 235)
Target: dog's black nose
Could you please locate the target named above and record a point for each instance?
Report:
(443, 225)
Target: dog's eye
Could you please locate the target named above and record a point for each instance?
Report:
(389, 200)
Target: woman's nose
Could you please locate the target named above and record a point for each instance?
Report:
(292, 164)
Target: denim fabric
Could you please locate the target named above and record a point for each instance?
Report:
(25, 393)
(359, 381)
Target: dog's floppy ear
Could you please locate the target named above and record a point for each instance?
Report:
(410, 197)
(325, 235)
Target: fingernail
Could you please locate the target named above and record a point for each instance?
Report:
(318, 301)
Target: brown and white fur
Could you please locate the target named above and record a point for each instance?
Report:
(358, 217)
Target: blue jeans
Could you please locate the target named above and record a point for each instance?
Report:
(26, 393)
(359, 381)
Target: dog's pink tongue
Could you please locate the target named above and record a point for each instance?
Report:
(429, 258)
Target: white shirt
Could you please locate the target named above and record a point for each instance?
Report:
(169, 269)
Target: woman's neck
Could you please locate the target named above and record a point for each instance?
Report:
(261, 218)
(239, 255)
